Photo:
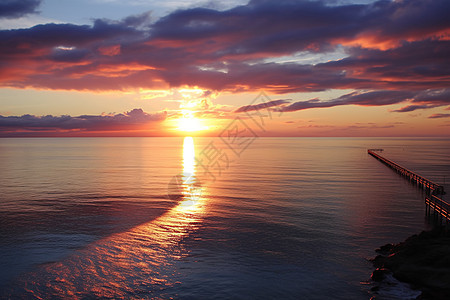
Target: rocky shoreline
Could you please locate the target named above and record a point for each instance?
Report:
(422, 260)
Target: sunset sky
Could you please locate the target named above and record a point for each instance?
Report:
(168, 68)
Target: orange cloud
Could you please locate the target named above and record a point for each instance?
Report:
(109, 50)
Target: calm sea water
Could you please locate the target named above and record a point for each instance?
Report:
(284, 218)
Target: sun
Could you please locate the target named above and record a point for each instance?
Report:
(190, 123)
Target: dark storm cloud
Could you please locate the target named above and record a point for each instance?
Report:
(129, 120)
(391, 47)
(17, 8)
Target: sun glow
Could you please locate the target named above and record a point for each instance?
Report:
(193, 101)
(190, 123)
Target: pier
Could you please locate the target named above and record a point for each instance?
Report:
(440, 207)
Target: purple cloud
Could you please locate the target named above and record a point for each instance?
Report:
(18, 8)
(439, 116)
(393, 48)
(264, 105)
(373, 98)
(441, 96)
(431, 98)
(130, 120)
(410, 108)
(288, 26)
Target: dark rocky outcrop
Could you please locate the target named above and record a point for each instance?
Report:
(422, 260)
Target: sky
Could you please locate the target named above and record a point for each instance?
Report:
(172, 68)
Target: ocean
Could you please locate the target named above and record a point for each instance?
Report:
(205, 218)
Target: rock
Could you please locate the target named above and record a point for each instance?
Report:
(385, 249)
(422, 260)
(375, 288)
(379, 274)
(378, 261)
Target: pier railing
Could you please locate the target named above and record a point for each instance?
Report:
(428, 185)
(433, 190)
(439, 206)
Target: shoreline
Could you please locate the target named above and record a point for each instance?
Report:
(422, 260)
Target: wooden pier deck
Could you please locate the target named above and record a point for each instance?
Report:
(433, 190)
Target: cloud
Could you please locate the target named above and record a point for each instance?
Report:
(18, 8)
(368, 127)
(439, 116)
(286, 26)
(372, 98)
(409, 108)
(316, 126)
(441, 96)
(429, 98)
(390, 46)
(133, 120)
(356, 126)
(264, 105)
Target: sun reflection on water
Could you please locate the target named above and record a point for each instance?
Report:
(191, 185)
(188, 156)
(139, 261)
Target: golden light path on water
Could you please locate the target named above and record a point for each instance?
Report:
(138, 263)
(188, 156)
